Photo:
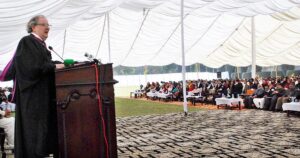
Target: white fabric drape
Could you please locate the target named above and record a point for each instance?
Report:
(217, 32)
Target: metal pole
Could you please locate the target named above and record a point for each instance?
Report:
(103, 28)
(183, 62)
(145, 72)
(253, 72)
(238, 73)
(64, 44)
(197, 70)
(108, 34)
(276, 69)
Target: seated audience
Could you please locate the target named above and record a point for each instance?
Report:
(274, 91)
(279, 92)
(8, 123)
(259, 93)
(290, 92)
(6, 105)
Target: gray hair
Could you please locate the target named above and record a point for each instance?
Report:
(32, 22)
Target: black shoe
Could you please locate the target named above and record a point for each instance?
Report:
(185, 114)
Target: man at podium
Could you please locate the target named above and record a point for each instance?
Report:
(36, 118)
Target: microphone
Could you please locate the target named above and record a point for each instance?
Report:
(51, 48)
(88, 56)
(67, 62)
(91, 58)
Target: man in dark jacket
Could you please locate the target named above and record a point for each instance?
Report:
(291, 92)
(259, 93)
(279, 92)
(237, 88)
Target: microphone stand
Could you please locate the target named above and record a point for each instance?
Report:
(56, 53)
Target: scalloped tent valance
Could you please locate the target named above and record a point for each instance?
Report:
(147, 32)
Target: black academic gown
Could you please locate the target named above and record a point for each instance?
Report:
(36, 121)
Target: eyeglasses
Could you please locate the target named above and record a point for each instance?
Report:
(45, 25)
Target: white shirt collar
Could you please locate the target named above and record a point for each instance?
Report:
(37, 36)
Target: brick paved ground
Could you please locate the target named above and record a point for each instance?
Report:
(210, 133)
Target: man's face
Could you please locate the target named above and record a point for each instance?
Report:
(41, 28)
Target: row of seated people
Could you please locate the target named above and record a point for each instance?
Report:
(209, 90)
(275, 90)
(273, 96)
(201, 86)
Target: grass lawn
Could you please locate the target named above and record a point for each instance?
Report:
(133, 107)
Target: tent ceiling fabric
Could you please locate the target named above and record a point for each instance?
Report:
(147, 32)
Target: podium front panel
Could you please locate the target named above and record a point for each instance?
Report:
(80, 125)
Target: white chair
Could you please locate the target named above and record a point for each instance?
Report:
(259, 102)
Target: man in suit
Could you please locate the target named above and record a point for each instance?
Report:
(259, 93)
(268, 95)
(279, 92)
(291, 92)
(237, 88)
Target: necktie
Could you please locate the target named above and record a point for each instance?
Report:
(44, 44)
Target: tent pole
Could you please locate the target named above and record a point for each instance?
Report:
(197, 69)
(237, 71)
(183, 62)
(64, 44)
(145, 72)
(103, 28)
(253, 72)
(108, 38)
(276, 68)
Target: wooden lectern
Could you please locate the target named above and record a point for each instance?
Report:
(80, 124)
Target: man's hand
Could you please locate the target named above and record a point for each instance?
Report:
(59, 66)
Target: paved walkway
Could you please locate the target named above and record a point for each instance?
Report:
(210, 133)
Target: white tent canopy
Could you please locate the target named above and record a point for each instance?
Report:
(147, 32)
